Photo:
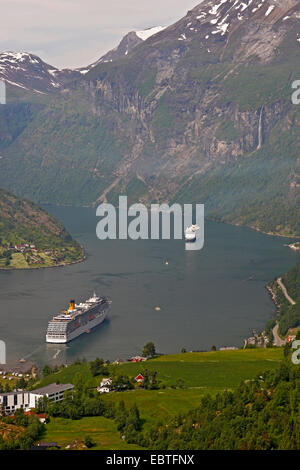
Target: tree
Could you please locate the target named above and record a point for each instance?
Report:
(121, 416)
(42, 404)
(20, 418)
(46, 370)
(2, 410)
(287, 349)
(98, 367)
(88, 441)
(93, 407)
(183, 350)
(22, 383)
(121, 383)
(149, 350)
(78, 382)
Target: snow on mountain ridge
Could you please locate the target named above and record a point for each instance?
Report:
(147, 33)
(218, 17)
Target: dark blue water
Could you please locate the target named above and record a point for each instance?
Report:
(211, 297)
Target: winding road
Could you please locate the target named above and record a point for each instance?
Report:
(277, 340)
(280, 283)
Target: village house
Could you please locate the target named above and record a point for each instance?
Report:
(137, 359)
(42, 417)
(105, 386)
(139, 379)
(20, 248)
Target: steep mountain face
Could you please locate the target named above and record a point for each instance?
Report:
(128, 43)
(200, 112)
(29, 72)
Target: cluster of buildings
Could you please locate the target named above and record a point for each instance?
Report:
(106, 384)
(32, 250)
(132, 359)
(258, 341)
(12, 401)
(23, 247)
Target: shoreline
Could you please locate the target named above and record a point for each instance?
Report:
(211, 219)
(61, 265)
(256, 229)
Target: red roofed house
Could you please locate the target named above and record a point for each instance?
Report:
(139, 378)
(138, 359)
(41, 416)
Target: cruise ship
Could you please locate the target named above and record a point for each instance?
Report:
(78, 319)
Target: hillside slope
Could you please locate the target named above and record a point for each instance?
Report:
(200, 112)
(30, 238)
(288, 315)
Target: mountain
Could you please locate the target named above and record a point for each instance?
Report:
(42, 240)
(128, 43)
(29, 72)
(199, 112)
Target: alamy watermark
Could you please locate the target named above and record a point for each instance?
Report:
(2, 92)
(296, 354)
(296, 94)
(2, 352)
(139, 228)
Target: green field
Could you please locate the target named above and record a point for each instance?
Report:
(102, 431)
(211, 371)
(197, 374)
(18, 261)
(184, 379)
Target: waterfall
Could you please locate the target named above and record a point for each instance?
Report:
(260, 129)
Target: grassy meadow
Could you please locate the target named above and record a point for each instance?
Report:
(183, 378)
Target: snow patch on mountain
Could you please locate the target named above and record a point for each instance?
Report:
(147, 33)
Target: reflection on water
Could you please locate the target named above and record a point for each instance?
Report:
(214, 296)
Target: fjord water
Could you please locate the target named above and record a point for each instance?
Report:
(215, 296)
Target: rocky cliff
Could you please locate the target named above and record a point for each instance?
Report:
(200, 112)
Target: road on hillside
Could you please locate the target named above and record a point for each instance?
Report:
(277, 340)
(280, 283)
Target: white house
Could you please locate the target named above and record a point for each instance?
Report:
(105, 386)
(103, 389)
(106, 382)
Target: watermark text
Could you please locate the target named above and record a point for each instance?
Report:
(135, 223)
(2, 352)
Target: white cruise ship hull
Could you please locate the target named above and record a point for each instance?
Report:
(78, 332)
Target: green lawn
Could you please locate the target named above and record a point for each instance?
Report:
(199, 373)
(156, 405)
(211, 370)
(18, 261)
(103, 432)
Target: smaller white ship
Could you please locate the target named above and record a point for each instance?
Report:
(190, 233)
